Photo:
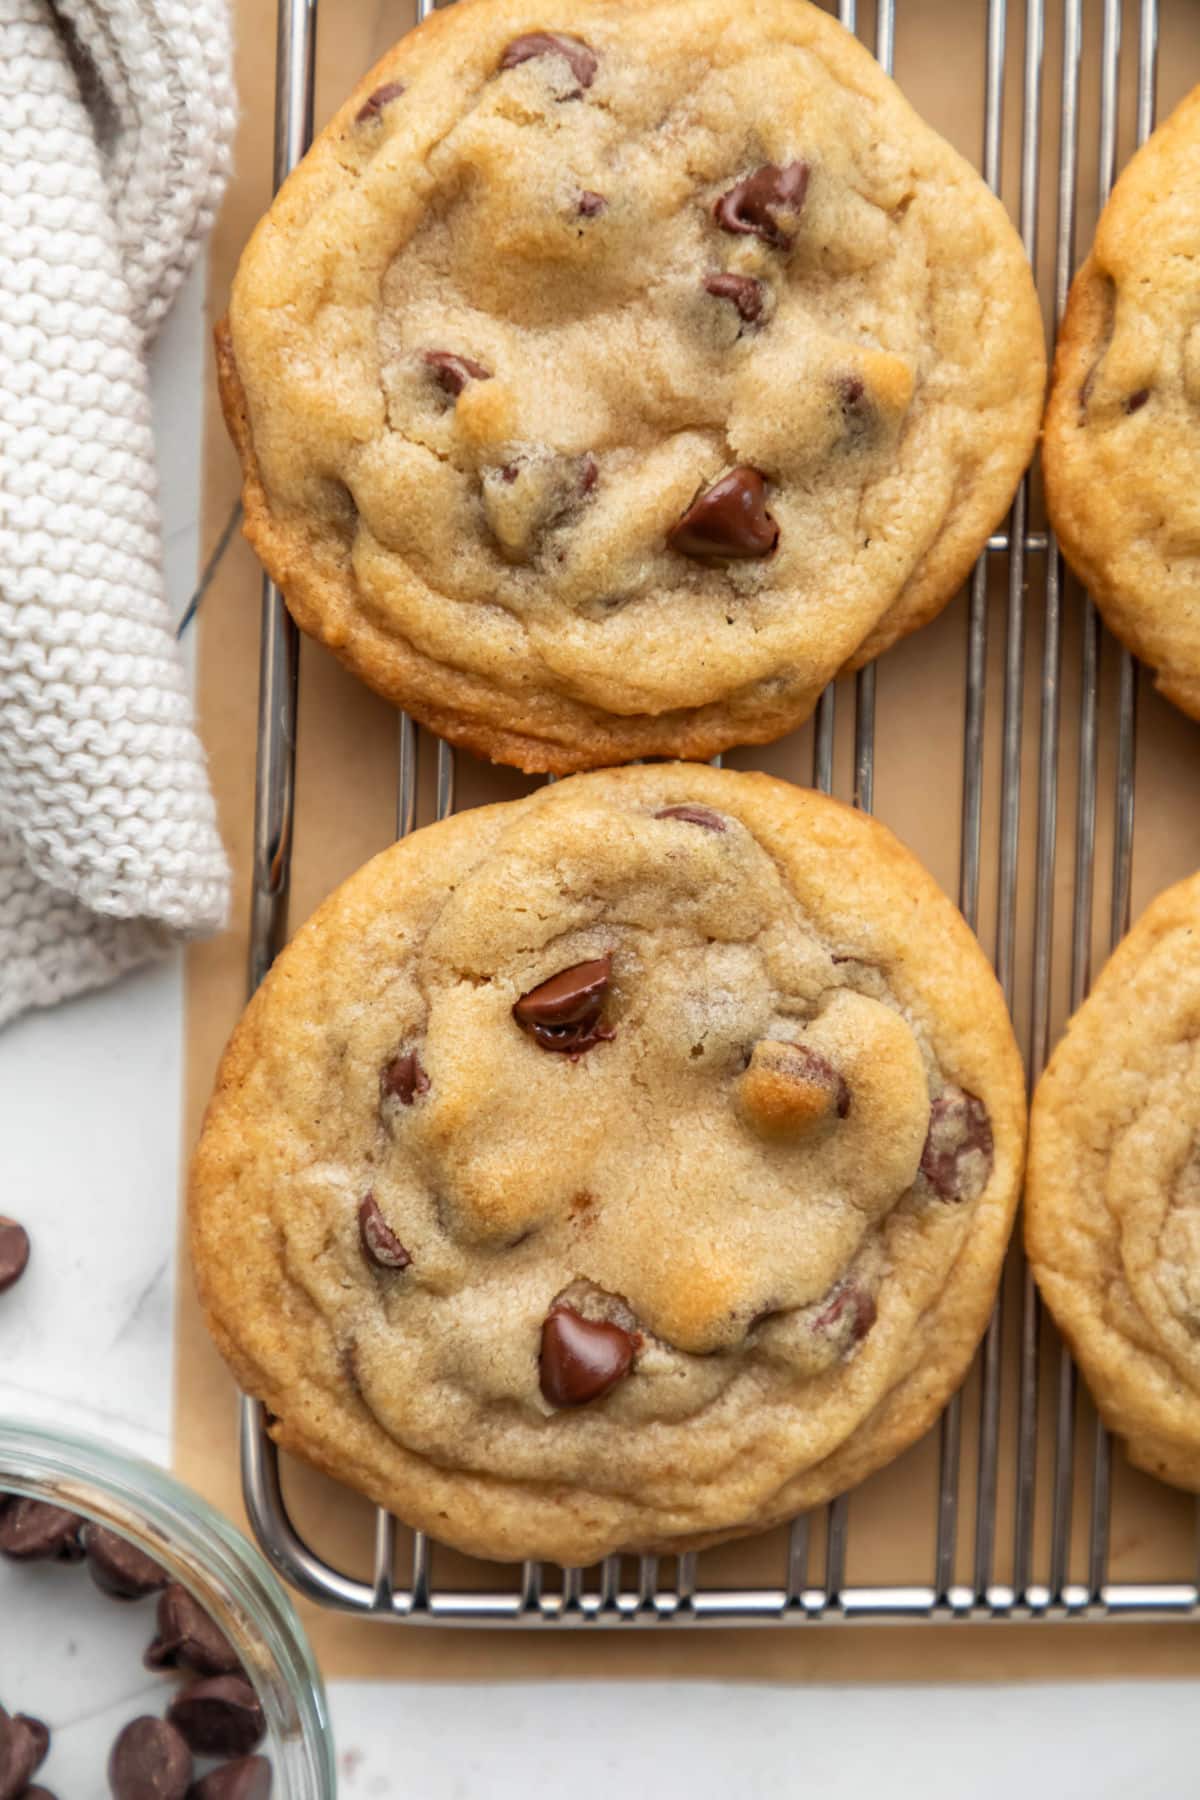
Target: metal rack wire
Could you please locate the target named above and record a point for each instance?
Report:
(614, 1593)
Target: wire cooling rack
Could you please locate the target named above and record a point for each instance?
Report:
(1032, 1540)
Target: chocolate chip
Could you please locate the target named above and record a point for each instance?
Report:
(35, 1531)
(249, 1778)
(589, 473)
(852, 1309)
(40, 1734)
(187, 1638)
(789, 1089)
(38, 1793)
(452, 372)
(379, 1241)
(564, 1013)
(404, 1078)
(14, 1252)
(375, 103)
(18, 1756)
(118, 1567)
(1136, 401)
(591, 203)
(553, 43)
(693, 815)
(743, 290)
(957, 1158)
(219, 1717)
(149, 1761)
(582, 1359)
(727, 521)
(752, 205)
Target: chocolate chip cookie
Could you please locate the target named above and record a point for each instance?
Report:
(1112, 1219)
(1122, 440)
(607, 379)
(626, 1166)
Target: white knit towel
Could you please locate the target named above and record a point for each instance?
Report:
(115, 124)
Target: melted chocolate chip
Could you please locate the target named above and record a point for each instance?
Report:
(379, 1241)
(18, 1756)
(188, 1639)
(591, 203)
(744, 291)
(404, 1078)
(218, 1717)
(35, 1531)
(118, 1567)
(452, 372)
(957, 1158)
(728, 521)
(693, 815)
(149, 1761)
(852, 1308)
(553, 43)
(752, 205)
(1136, 401)
(249, 1778)
(582, 1359)
(375, 103)
(564, 1013)
(14, 1252)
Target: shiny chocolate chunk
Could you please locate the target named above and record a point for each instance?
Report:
(693, 815)
(248, 1778)
(728, 521)
(35, 1531)
(756, 204)
(19, 1755)
(118, 1567)
(743, 291)
(957, 1158)
(1136, 401)
(553, 43)
(14, 1252)
(565, 1012)
(582, 1359)
(452, 372)
(852, 1311)
(591, 203)
(404, 1078)
(149, 1761)
(219, 1717)
(374, 104)
(380, 1243)
(188, 1639)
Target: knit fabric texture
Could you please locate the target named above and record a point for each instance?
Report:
(116, 118)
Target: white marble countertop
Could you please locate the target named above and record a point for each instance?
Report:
(89, 1158)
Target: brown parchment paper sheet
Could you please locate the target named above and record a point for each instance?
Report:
(345, 812)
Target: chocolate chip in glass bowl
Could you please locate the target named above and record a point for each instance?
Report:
(565, 1013)
(728, 522)
(188, 1639)
(14, 1253)
(40, 1734)
(35, 1531)
(38, 1793)
(118, 1567)
(248, 1778)
(21, 1752)
(220, 1716)
(582, 1359)
(755, 204)
(150, 1761)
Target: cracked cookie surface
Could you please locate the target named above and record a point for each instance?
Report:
(1122, 439)
(1112, 1206)
(629, 1165)
(602, 390)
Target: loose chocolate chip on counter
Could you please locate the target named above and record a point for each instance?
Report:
(591, 203)
(452, 372)
(35, 1531)
(564, 1013)
(19, 1756)
(219, 1717)
(404, 1078)
(249, 1778)
(14, 1252)
(728, 521)
(582, 1359)
(188, 1639)
(753, 205)
(553, 43)
(150, 1761)
(379, 1241)
(693, 815)
(743, 290)
(374, 104)
(118, 1567)
(957, 1158)
(1136, 401)
(852, 1308)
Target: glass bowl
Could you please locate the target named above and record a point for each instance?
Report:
(220, 1567)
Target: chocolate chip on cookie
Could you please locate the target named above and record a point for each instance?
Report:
(745, 293)
(565, 1013)
(694, 815)
(789, 1089)
(590, 203)
(379, 1241)
(374, 104)
(728, 521)
(452, 372)
(1136, 401)
(851, 1311)
(553, 43)
(957, 1158)
(757, 204)
(403, 1078)
(582, 1359)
